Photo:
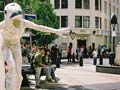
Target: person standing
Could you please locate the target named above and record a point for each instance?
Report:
(94, 56)
(54, 52)
(25, 54)
(81, 56)
(69, 50)
(60, 53)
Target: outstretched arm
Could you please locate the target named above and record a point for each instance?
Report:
(29, 24)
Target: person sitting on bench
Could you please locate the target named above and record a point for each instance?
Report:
(39, 66)
(47, 61)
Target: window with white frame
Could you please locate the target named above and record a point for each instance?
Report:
(86, 4)
(57, 4)
(64, 21)
(96, 22)
(78, 21)
(64, 4)
(86, 21)
(96, 4)
(78, 3)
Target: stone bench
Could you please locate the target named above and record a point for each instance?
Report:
(108, 69)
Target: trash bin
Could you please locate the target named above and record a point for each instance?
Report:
(81, 61)
(73, 58)
(101, 60)
(111, 58)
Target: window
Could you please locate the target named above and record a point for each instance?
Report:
(64, 3)
(64, 21)
(96, 4)
(58, 21)
(78, 21)
(105, 7)
(100, 5)
(96, 22)
(100, 23)
(78, 3)
(86, 4)
(86, 22)
(57, 4)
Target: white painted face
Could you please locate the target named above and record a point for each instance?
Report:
(13, 11)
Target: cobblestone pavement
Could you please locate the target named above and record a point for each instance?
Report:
(74, 77)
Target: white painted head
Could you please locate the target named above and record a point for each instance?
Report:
(13, 11)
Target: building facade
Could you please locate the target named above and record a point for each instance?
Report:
(89, 19)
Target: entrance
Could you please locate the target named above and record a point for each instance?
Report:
(81, 43)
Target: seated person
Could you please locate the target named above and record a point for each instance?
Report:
(47, 61)
(39, 65)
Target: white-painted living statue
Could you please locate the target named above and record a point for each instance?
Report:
(12, 29)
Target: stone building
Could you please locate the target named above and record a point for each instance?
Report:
(89, 19)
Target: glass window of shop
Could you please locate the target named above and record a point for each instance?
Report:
(64, 4)
(86, 4)
(78, 3)
(86, 21)
(78, 21)
(57, 4)
(64, 21)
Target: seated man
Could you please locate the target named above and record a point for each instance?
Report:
(38, 66)
(47, 61)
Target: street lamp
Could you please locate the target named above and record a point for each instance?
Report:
(72, 34)
(113, 23)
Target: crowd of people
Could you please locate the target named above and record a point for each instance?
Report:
(88, 52)
(42, 60)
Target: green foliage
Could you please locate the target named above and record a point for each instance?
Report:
(45, 16)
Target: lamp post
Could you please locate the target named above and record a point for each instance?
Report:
(113, 23)
(72, 34)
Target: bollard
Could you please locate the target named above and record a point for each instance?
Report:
(101, 60)
(111, 58)
(73, 58)
(81, 61)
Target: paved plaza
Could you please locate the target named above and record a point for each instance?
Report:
(74, 77)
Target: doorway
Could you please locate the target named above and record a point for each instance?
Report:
(81, 43)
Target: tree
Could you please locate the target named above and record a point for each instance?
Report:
(45, 16)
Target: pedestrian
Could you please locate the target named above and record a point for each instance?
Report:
(81, 56)
(25, 54)
(54, 52)
(94, 56)
(69, 50)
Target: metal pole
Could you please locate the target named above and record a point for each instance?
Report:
(110, 27)
(113, 39)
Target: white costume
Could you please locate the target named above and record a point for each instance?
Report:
(13, 27)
